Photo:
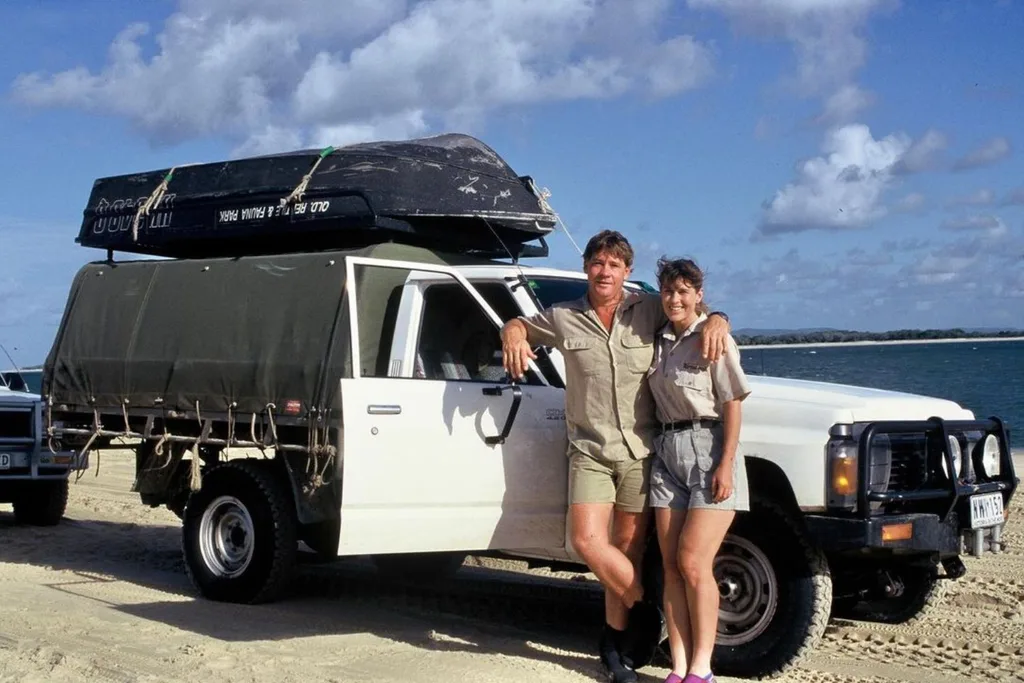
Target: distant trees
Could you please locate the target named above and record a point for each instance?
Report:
(838, 336)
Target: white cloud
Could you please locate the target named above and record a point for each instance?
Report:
(1014, 196)
(911, 203)
(925, 154)
(987, 154)
(824, 33)
(860, 257)
(841, 189)
(844, 105)
(980, 260)
(908, 244)
(982, 197)
(271, 74)
(992, 226)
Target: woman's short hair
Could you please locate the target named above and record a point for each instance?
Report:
(670, 270)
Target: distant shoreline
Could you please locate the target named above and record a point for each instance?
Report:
(887, 342)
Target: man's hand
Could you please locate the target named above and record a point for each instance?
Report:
(515, 349)
(713, 336)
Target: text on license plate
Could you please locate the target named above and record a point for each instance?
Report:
(986, 510)
(5, 461)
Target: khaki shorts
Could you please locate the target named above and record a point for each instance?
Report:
(623, 482)
(684, 464)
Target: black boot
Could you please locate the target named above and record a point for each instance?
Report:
(642, 636)
(611, 657)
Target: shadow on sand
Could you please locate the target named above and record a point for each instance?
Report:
(480, 610)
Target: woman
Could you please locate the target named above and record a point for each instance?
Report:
(698, 479)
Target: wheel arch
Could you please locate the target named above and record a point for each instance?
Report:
(769, 482)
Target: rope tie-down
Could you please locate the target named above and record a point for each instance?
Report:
(151, 203)
(96, 428)
(300, 189)
(195, 478)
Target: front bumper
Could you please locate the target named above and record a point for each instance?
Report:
(930, 534)
(932, 518)
(40, 466)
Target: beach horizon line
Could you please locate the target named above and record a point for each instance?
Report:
(882, 342)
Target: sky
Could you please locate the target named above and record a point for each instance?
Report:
(853, 164)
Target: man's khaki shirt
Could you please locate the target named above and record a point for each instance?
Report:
(685, 385)
(609, 410)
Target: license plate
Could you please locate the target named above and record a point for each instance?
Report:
(986, 510)
(5, 461)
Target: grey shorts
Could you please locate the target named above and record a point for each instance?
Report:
(683, 466)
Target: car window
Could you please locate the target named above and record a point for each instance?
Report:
(555, 290)
(457, 341)
(25, 380)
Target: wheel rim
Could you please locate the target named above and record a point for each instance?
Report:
(226, 536)
(748, 590)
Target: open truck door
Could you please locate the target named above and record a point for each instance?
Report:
(438, 451)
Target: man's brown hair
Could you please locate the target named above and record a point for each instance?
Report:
(611, 242)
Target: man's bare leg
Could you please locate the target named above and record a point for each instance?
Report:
(592, 539)
(610, 541)
(628, 532)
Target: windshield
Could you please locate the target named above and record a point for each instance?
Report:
(26, 380)
(553, 290)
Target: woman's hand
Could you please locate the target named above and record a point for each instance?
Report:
(721, 481)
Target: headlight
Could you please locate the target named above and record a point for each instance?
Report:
(958, 459)
(881, 463)
(842, 474)
(986, 457)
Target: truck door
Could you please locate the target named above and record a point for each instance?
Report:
(439, 452)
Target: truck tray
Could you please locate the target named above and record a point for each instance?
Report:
(449, 192)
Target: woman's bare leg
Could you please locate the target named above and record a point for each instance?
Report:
(701, 537)
(677, 618)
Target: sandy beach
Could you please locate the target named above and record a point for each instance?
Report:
(103, 597)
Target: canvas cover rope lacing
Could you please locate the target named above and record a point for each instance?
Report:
(300, 189)
(96, 427)
(151, 203)
(195, 478)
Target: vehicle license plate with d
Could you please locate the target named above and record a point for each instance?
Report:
(5, 461)
(986, 510)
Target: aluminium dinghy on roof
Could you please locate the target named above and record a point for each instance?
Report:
(449, 192)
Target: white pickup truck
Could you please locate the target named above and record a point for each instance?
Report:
(33, 478)
(861, 499)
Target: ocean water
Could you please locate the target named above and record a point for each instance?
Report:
(985, 377)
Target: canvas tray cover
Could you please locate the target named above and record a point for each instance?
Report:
(239, 333)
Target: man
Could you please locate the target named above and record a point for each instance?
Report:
(607, 340)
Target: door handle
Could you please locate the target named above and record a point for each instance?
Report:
(517, 398)
(383, 410)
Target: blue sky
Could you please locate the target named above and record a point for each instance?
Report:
(840, 163)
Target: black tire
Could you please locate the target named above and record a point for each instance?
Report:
(41, 503)
(776, 594)
(239, 533)
(419, 567)
(923, 591)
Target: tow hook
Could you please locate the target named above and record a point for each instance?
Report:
(954, 567)
(892, 587)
